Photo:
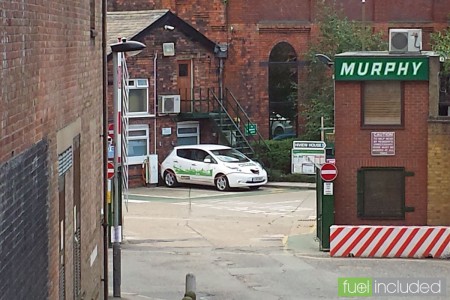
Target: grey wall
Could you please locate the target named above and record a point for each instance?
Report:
(24, 194)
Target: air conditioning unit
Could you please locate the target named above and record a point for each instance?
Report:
(169, 104)
(405, 40)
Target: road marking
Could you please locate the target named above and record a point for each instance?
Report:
(270, 208)
(137, 201)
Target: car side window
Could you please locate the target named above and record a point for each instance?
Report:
(184, 153)
(198, 155)
(213, 161)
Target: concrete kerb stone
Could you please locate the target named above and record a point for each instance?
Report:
(293, 185)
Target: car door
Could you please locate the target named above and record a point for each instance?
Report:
(182, 165)
(203, 171)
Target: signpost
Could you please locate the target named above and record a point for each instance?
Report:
(382, 143)
(250, 129)
(306, 155)
(110, 170)
(328, 172)
(111, 130)
(381, 68)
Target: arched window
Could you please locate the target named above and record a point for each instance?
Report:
(283, 82)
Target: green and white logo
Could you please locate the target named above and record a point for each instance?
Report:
(367, 287)
(381, 68)
(355, 287)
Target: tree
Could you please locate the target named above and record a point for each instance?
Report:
(440, 43)
(336, 35)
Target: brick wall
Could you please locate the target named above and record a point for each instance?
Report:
(438, 175)
(51, 76)
(352, 145)
(205, 75)
(119, 5)
(258, 25)
(24, 190)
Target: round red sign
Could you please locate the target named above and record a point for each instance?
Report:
(111, 130)
(110, 170)
(328, 172)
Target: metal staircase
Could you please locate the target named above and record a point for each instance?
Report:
(231, 122)
(234, 125)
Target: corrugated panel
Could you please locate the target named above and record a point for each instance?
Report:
(65, 161)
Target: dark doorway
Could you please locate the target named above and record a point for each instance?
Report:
(283, 80)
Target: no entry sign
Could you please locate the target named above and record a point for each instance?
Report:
(111, 130)
(328, 172)
(110, 170)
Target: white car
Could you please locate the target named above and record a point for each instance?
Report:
(217, 165)
(280, 125)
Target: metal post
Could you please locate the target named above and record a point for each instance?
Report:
(117, 50)
(363, 23)
(190, 286)
(116, 234)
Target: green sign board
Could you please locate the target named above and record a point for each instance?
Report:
(380, 68)
(250, 129)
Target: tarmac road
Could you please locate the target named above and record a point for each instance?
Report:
(246, 245)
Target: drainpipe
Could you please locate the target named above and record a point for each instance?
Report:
(221, 79)
(227, 24)
(155, 95)
(105, 152)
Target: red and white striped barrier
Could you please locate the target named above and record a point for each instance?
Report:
(390, 241)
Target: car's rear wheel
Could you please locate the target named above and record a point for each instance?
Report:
(170, 180)
(279, 130)
(222, 183)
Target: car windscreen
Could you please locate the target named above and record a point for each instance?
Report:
(230, 155)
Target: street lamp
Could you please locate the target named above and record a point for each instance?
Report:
(329, 63)
(324, 59)
(132, 48)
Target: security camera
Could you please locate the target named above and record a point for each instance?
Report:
(168, 27)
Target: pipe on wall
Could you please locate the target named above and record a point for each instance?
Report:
(105, 152)
(155, 99)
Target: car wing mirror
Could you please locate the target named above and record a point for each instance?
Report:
(207, 160)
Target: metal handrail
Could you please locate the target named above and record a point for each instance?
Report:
(224, 110)
(248, 120)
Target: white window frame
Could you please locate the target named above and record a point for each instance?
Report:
(136, 85)
(189, 124)
(137, 160)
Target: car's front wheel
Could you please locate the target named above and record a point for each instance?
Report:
(170, 180)
(222, 183)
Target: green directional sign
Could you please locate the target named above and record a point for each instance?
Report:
(351, 68)
(250, 129)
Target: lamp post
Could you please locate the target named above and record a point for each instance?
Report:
(133, 48)
(329, 63)
(363, 17)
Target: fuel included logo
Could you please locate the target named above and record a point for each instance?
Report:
(368, 287)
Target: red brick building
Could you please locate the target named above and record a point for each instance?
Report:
(51, 150)
(260, 40)
(388, 140)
